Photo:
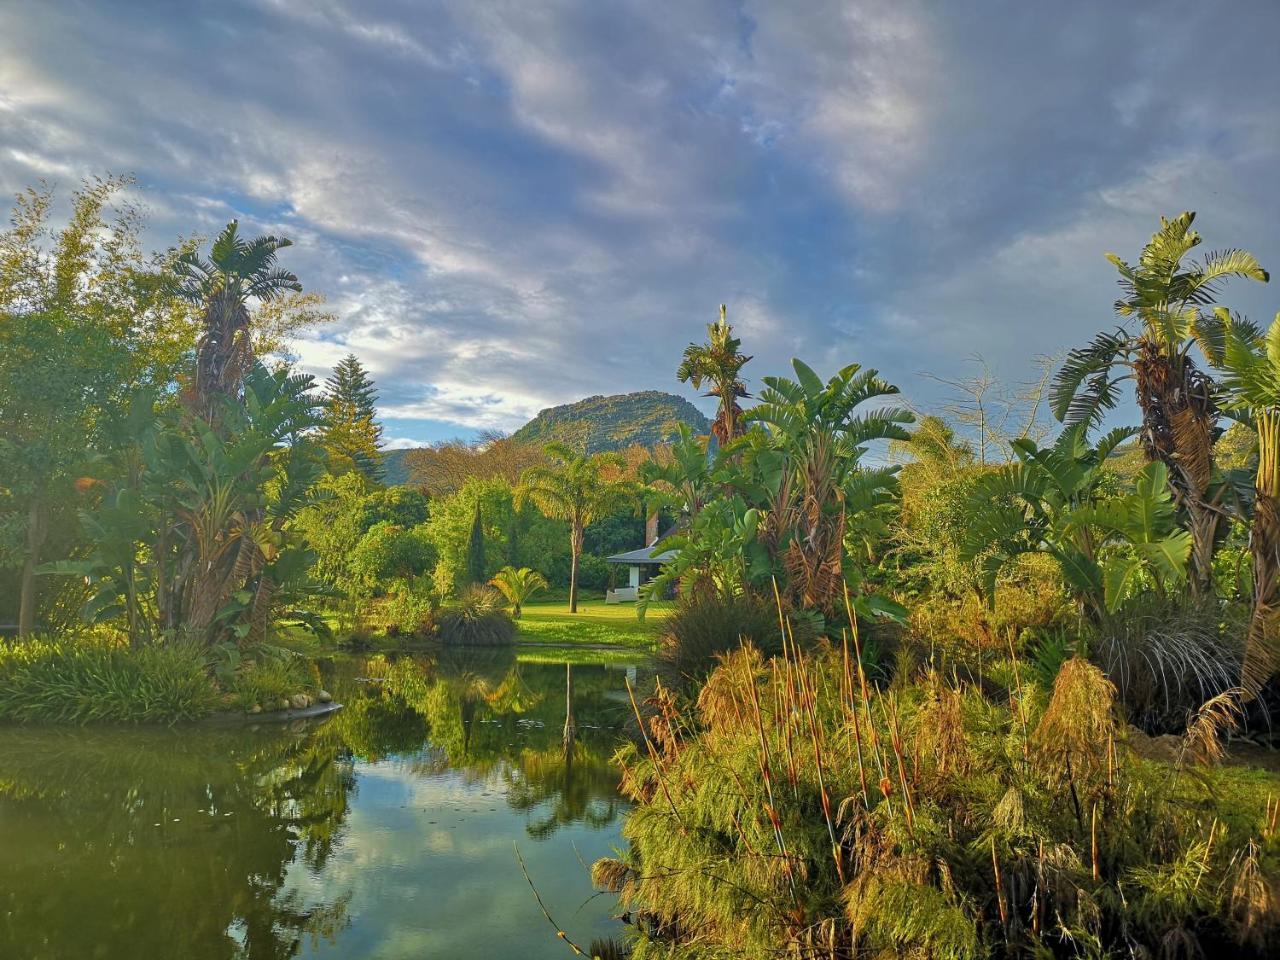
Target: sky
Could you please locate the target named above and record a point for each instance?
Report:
(515, 205)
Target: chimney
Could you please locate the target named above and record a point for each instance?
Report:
(651, 529)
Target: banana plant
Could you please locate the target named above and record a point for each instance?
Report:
(1061, 501)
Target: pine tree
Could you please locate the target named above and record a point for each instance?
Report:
(475, 550)
(351, 435)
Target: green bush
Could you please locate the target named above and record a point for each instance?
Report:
(409, 611)
(269, 680)
(477, 618)
(699, 631)
(95, 679)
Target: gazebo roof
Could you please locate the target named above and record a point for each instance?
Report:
(644, 555)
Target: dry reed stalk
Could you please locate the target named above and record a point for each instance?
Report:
(782, 711)
(995, 869)
(895, 739)
(852, 714)
(653, 755)
(1093, 845)
(815, 733)
(872, 735)
(1022, 708)
(578, 951)
(766, 776)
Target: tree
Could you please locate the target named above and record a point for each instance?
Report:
(817, 441)
(85, 320)
(1250, 364)
(718, 363)
(518, 585)
(1168, 295)
(475, 549)
(443, 469)
(577, 488)
(351, 434)
(237, 272)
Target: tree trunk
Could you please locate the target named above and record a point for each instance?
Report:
(570, 728)
(575, 548)
(35, 541)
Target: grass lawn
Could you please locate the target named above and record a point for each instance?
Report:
(595, 623)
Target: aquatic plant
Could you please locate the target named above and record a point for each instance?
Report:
(797, 809)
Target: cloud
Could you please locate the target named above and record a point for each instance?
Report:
(515, 205)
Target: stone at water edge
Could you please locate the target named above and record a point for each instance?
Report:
(300, 701)
(324, 696)
(283, 704)
(256, 708)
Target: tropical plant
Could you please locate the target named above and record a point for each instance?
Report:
(718, 363)
(193, 533)
(1250, 365)
(518, 585)
(1168, 295)
(577, 488)
(1061, 501)
(237, 271)
(821, 499)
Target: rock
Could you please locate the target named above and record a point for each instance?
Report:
(299, 701)
(324, 696)
(283, 704)
(256, 708)
(1165, 748)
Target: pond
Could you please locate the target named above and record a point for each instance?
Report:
(387, 830)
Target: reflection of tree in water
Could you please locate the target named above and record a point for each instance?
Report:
(197, 826)
(491, 718)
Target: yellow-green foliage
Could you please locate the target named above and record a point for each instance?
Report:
(788, 811)
(1030, 595)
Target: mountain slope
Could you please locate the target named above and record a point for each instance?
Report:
(612, 423)
(648, 418)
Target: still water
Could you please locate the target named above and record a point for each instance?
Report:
(388, 830)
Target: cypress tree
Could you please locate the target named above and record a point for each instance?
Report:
(475, 550)
(351, 434)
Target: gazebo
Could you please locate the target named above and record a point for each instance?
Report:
(643, 564)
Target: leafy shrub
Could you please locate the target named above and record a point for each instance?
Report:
(477, 618)
(95, 679)
(698, 631)
(410, 611)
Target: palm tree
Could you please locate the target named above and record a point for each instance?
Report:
(1179, 413)
(518, 585)
(718, 362)
(1250, 364)
(578, 488)
(237, 271)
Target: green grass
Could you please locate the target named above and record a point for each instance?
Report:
(595, 624)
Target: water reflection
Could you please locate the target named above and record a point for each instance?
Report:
(386, 831)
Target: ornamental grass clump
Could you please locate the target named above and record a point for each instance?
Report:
(797, 810)
(478, 618)
(100, 679)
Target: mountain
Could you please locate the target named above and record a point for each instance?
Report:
(395, 468)
(606, 423)
(613, 423)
